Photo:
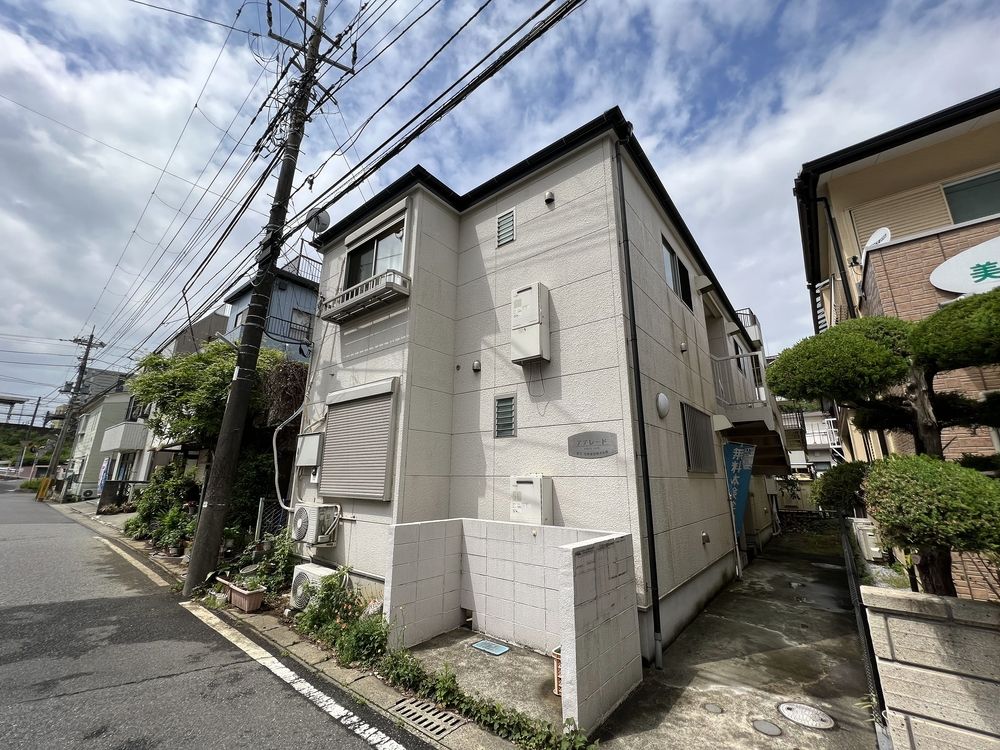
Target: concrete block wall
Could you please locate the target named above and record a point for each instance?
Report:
(939, 662)
(601, 663)
(511, 579)
(423, 579)
(534, 586)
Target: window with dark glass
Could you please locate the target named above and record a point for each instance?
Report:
(676, 273)
(382, 253)
(973, 199)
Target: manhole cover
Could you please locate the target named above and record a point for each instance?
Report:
(766, 727)
(427, 717)
(807, 716)
(713, 708)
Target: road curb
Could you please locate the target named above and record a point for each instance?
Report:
(469, 736)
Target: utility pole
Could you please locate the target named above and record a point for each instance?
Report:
(87, 344)
(27, 434)
(208, 537)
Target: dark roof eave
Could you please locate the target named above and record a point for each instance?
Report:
(806, 184)
(612, 120)
(280, 274)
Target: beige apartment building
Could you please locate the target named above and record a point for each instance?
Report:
(901, 224)
(475, 358)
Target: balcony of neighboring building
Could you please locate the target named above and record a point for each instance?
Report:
(742, 393)
(125, 437)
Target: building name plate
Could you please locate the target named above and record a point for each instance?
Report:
(593, 444)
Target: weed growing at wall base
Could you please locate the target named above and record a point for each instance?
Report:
(335, 617)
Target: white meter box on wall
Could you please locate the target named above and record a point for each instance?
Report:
(529, 323)
(531, 499)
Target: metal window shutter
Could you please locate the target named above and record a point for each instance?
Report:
(505, 228)
(356, 449)
(699, 439)
(912, 212)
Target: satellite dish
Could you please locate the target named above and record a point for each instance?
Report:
(319, 220)
(879, 237)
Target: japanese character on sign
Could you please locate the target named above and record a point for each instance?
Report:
(985, 271)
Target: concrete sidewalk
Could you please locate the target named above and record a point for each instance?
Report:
(786, 633)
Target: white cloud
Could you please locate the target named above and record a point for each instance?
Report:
(727, 98)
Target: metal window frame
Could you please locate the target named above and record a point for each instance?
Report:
(513, 403)
(686, 408)
(373, 238)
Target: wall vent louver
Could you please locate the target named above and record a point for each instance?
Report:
(505, 228)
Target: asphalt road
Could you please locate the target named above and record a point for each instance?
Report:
(94, 655)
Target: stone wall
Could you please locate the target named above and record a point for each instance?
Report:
(939, 663)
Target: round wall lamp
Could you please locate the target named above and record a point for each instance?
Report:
(662, 405)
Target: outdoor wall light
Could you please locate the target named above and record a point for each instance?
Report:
(476, 365)
(550, 197)
(705, 539)
(662, 405)
(684, 346)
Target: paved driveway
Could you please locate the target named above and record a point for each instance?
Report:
(785, 633)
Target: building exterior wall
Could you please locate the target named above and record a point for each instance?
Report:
(685, 504)
(110, 410)
(283, 301)
(447, 463)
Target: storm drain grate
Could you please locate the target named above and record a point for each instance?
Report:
(427, 717)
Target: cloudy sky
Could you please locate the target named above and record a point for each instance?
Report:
(123, 129)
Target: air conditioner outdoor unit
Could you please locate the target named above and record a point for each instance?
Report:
(88, 494)
(315, 523)
(305, 578)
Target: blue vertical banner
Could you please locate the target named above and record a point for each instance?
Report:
(739, 466)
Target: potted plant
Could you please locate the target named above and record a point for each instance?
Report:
(174, 542)
(247, 593)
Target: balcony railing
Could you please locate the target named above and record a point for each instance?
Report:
(308, 268)
(747, 317)
(739, 379)
(356, 300)
(287, 330)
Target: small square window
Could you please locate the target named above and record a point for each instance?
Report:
(505, 417)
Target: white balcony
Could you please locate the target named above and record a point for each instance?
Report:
(377, 291)
(124, 437)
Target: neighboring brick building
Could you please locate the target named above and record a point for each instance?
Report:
(878, 218)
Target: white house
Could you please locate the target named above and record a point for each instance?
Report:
(469, 344)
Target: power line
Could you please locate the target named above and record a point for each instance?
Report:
(98, 140)
(166, 164)
(197, 18)
(389, 149)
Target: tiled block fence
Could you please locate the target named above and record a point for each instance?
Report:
(535, 586)
(939, 662)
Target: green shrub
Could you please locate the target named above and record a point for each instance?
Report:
(925, 503)
(31, 484)
(363, 641)
(333, 606)
(976, 461)
(170, 526)
(272, 567)
(839, 489)
(168, 486)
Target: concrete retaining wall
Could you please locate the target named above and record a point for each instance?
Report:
(534, 586)
(939, 662)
